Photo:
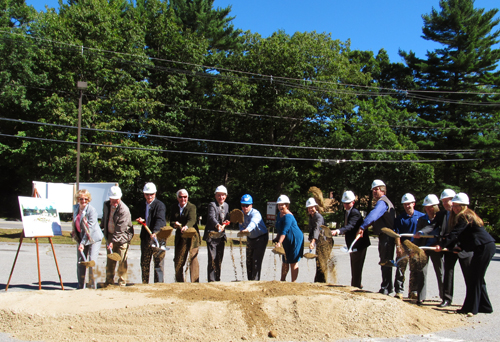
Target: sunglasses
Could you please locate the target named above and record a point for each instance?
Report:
(183, 197)
(245, 205)
(83, 199)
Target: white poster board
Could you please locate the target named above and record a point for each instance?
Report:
(99, 192)
(40, 217)
(63, 194)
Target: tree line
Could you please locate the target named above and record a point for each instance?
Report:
(178, 96)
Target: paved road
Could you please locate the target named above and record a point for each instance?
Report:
(24, 278)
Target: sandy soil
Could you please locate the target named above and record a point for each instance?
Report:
(216, 312)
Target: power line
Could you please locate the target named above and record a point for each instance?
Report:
(458, 151)
(275, 78)
(270, 116)
(330, 161)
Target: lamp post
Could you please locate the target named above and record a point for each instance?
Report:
(82, 86)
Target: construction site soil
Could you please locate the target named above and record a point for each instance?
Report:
(226, 311)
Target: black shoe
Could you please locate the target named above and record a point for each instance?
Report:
(384, 292)
(444, 304)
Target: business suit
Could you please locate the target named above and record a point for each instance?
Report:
(120, 237)
(473, 238)
(91, 242)
(352, 222)
(185, 246)
(155, 221)
(216, 215)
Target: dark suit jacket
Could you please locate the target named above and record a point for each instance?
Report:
(436, 227)
(354, 221)
(188, 218)
(469, 235)
(214, 217)
(156, 218)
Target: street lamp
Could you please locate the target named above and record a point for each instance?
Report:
(82, 86)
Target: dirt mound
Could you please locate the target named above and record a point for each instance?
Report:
(215, 312)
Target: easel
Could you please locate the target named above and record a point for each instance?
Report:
(35, 194)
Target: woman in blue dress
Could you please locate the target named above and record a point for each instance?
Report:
(290, 236)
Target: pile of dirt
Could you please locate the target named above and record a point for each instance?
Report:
(216, 312)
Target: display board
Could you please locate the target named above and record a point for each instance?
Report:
(40, 217)
(63, 194)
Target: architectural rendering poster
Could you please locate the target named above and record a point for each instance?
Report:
(40, 217)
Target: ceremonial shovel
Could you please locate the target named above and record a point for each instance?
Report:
(350, 250)
(85, 262)
(159, 250)
(113, 256)
(310, 255)
(392, 263)
(217, 235)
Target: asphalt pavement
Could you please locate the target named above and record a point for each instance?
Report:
(25, 278)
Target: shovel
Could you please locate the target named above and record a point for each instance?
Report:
(351, 250)
(310, 255)
(242, 234)
(159, 249)
(85, 261)
(395, 235)
(432, 248)
(217, 235)
(113, 256)
(392, 263)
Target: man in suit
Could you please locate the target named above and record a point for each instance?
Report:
(154, 211)
(182, 217)
(382, 215)
(117, 227)
(214, 235)
(352, 222)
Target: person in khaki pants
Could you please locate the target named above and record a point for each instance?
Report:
(117, 228)
(182, 217)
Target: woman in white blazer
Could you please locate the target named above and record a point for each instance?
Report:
(87, 234)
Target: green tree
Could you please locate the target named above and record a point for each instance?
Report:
(199, 16)
(460, 98)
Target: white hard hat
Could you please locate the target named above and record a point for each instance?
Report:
(377, 182)
(221, 188)
(430, 200)
(447, 193)
(348, 197)
(283, 199)
(407, 198)
(461, 198)
(149, 188)
(310, 202)
(115, 192)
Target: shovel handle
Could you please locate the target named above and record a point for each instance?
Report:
(83, 256)
(141, 221)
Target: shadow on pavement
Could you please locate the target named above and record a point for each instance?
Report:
(46, 285)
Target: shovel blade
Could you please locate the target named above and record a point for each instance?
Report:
(344, 249)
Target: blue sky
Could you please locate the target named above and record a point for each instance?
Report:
(369, 24)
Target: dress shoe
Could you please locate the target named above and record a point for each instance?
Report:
(420, 302)
(444, 304)
(383, 291)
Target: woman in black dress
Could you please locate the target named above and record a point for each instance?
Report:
(468, 230)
